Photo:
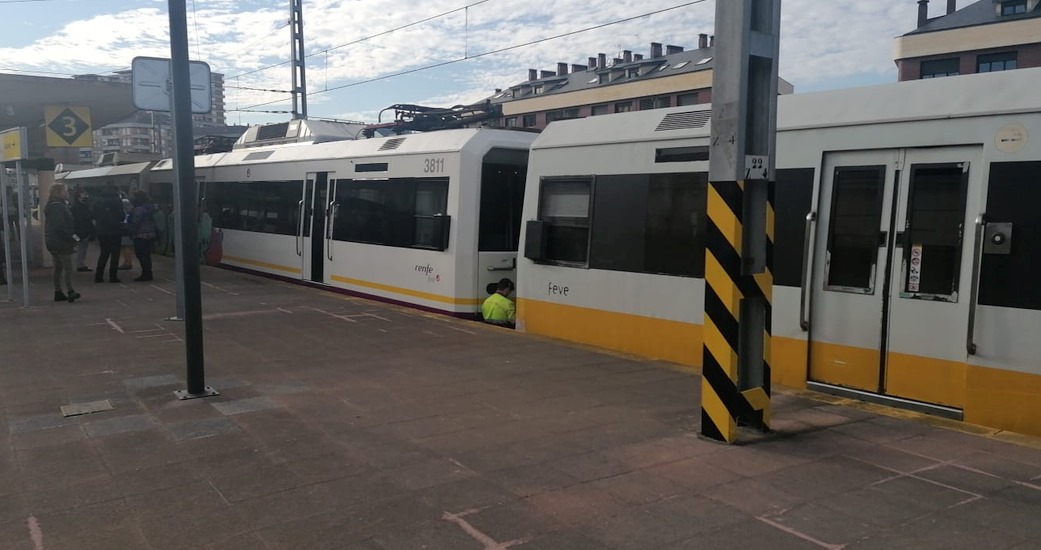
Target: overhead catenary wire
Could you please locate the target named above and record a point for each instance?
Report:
(492, 52)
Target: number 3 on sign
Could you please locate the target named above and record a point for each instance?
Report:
(756, 167)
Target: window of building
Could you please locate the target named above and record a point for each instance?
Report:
(623, 107)
(632, 73)
(561, 114)
(510, 122)
(537, 89)
(605, 78)
(1013, 7)
(681, 65)
(941, 67)
(598, 110)
(683, 100)
(529, 121)
(1005, 61)
(659, 102)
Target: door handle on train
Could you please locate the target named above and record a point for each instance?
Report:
(330, 219)
(977, 253)
(300, 229)
(811, 220)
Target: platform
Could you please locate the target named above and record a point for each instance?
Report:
(344, 423)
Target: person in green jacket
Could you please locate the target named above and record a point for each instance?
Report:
(498, 309)
(60, 237)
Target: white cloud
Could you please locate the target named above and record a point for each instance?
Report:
(823, 43)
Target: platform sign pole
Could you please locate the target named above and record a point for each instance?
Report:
(23, 228)
(184, 183)
(6, 230)
(735, 387)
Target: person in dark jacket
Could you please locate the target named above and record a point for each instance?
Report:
(84, 227)
(143, 231)
(108, 226)
(60, 238)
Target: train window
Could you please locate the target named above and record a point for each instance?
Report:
(1010, 280)
(262, 207)
(565, 207)
(502, 200)
(935, 220)
(650, 223)
(856, 217)
(392, 212)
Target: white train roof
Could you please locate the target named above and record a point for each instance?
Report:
(940, 98)
(437, 142)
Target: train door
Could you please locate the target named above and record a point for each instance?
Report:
(502, 197)
(311, 237)
(890, 257)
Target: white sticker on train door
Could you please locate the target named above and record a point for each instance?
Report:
(915, 278)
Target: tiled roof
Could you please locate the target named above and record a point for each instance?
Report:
(687, 61)
(983, 12)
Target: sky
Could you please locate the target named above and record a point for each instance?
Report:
(451, 51)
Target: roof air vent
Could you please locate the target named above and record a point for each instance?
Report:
(392, 144)
(680, 121)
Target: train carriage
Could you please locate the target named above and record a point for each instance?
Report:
(429, 220)
(906, 238)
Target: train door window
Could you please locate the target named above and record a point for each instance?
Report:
(565, 207)
(934, 226)
(856, 217)
(502, 200)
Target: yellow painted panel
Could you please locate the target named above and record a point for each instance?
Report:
(644, 336)
(926, 379)
(844, 366)
(408, 292)
(788, 362)
(1003, 399)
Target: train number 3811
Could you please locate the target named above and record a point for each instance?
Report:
(433, 166)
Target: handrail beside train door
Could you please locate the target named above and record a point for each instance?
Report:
(977, 250)
(811, 222)
(331, 209)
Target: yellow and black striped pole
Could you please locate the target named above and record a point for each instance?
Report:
(735, 387)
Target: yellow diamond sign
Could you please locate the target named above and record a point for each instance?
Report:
(67, 126)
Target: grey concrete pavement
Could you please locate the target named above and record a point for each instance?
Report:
(344, 423)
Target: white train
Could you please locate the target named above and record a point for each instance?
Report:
(428, 220)
(907, 241)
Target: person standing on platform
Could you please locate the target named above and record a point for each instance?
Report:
(84, 226)
(108, 226)
(126, 244)
(143, 232)
(498, 309)
(60, 238)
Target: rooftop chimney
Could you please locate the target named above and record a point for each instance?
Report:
(498, 90)
(712, 41)
(627, 56)
(562, 68)
(655, 49)
(637, 57)
(923, 13)
(591, 63)
(952, 6)
(670, 49)
(533, 74)
(702, 41)
(576, 68)
(546, 74)
(601, 61)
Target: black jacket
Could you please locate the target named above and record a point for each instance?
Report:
(58, 228)
(84, 221)
(108, 216)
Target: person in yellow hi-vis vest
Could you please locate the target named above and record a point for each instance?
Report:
(498, 309)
